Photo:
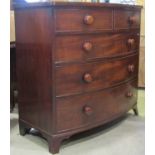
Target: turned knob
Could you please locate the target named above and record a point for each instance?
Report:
(88, 78)
(132, 19)
(131, 42)
(88, 19)
(131, 68)
(88, 110)
(87, 46)
(129, 94)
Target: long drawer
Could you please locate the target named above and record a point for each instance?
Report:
(83, 20)
(85, 77)
(94, 108)
(84, 47)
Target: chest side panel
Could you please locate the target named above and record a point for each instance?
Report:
(34, 54)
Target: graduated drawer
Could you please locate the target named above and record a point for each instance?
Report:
(78, 78)
(83, 19)
(126, 19)
(92, 109)
(84, 47)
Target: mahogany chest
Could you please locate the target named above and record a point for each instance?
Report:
(77, 65)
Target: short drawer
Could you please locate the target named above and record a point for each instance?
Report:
(86, 47)
(94, 108)
(86, 77)
(126, 19)
(83, 20)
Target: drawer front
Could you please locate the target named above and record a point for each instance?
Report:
(81, 48)
(79, 78)
(126, 19)
(83, 19)
(84, 110)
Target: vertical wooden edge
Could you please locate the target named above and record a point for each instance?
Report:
(54, 120)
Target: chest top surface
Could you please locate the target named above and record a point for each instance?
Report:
(53, 3)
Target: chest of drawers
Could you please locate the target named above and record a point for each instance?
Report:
(77, 66)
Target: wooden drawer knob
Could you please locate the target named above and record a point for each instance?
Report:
(131, 68)
(87, 46)
(131, 42)
(132, 20)
(88, 19)
(129, 94)
(88, 110)
(88, 78)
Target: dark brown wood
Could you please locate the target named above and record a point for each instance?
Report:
(56, 3)
(23, 129)
(104, 104)
(71, 48)
(33, 41)
(75, 19)
(96, 75)
(135, 110)
(54, 143)
(13, 77)
(126, 19)
(77, 66)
